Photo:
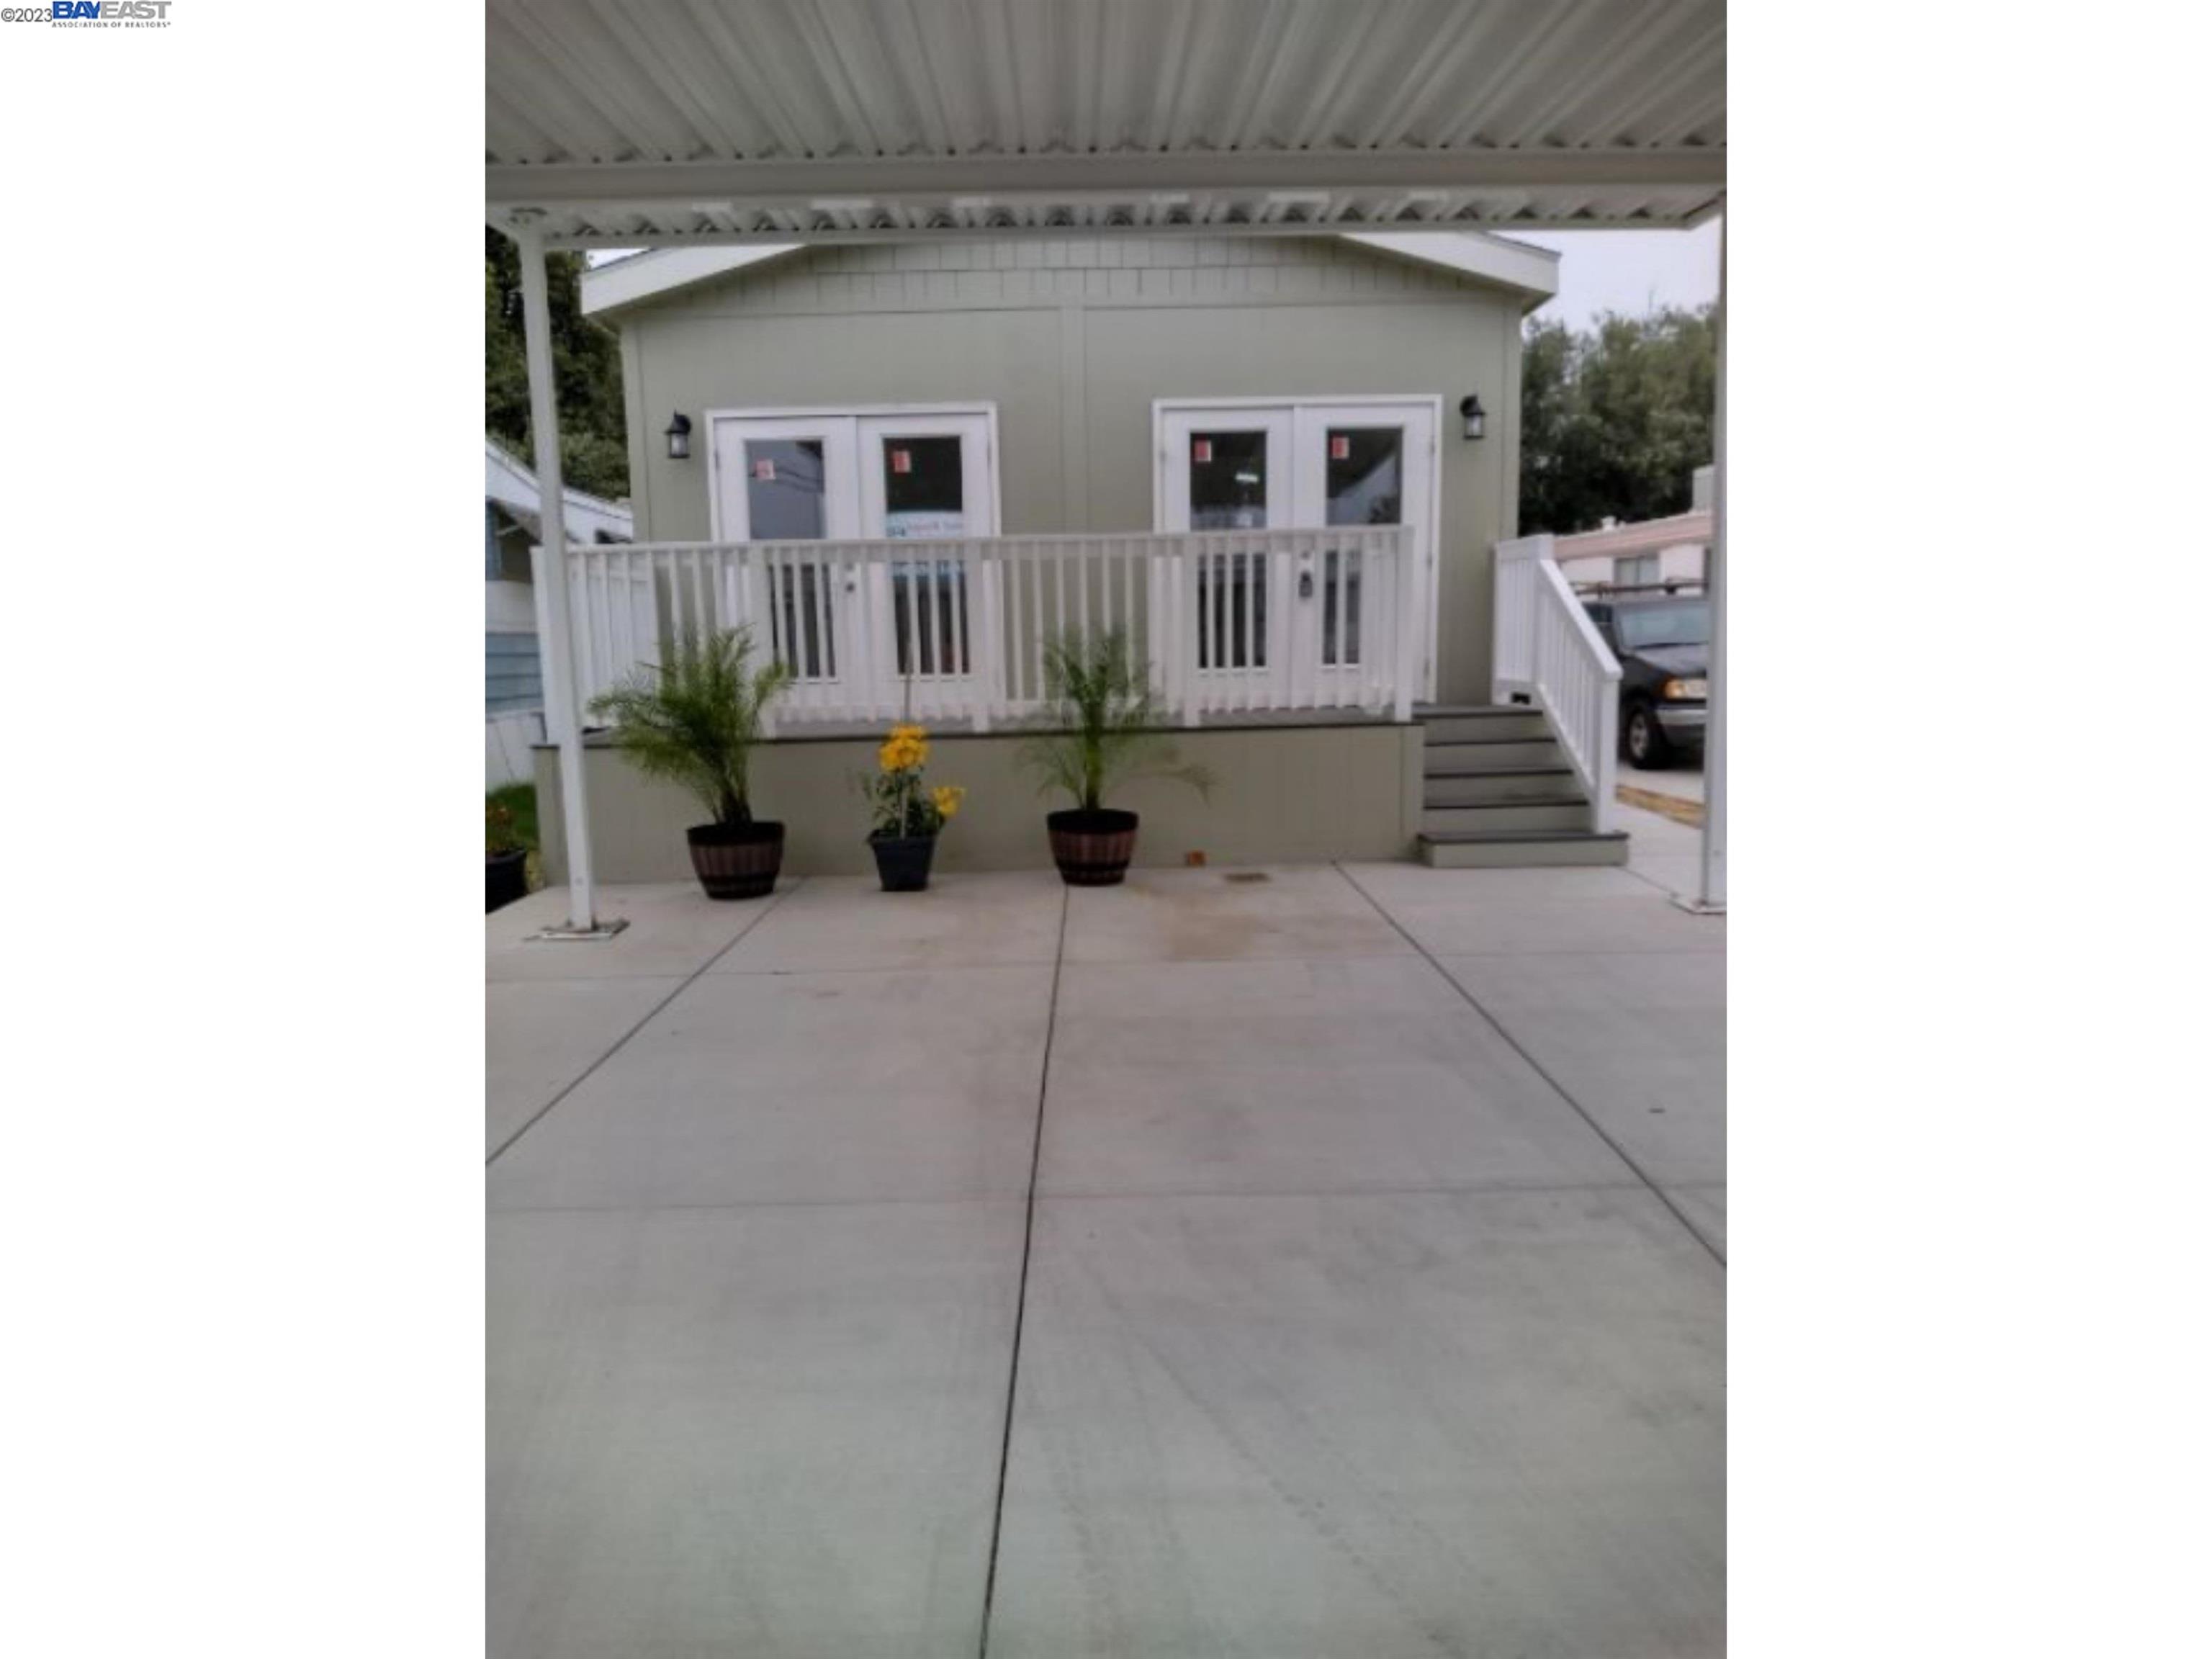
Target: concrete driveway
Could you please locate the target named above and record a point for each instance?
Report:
(1349, 1239)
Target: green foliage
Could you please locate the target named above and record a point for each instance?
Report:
(1099, 700)
(519, 802)
(1614, 421)
(587, 370)
(695, 719)
(500, 835)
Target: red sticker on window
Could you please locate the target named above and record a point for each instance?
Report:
(1201, 450)
(902, 460)
(1339, 446)
(765, 470)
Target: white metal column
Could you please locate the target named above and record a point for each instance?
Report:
(1712, 874)
(557, 641)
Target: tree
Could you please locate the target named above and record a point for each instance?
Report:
(587, 370)
(1614, 421)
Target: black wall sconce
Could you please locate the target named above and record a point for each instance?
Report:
(1470, 417)
(679, 438)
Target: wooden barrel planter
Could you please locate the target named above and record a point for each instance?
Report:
(1092, 849)
(737, 860)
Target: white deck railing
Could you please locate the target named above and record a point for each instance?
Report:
(955, 629)
(1545, 645)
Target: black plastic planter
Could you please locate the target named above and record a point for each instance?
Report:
(505, 878)
(1092, 849)
(902, 861)
(737, 860)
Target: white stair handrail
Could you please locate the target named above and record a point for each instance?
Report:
(1545, 646)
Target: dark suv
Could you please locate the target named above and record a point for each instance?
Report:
(1661, 641)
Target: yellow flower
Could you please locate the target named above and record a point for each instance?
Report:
(948, 799)
(905, 748)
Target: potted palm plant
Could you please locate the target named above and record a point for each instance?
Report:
(693, 720)
(1099, 701)
(908, 813)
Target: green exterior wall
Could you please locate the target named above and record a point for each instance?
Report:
(1282, 795)
(1072, 341)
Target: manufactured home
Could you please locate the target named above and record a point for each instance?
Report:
(1285, 466)
(515, 680)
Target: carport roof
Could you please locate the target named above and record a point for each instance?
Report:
(847, 120)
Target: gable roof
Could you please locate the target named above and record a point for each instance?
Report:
(641, 278)
(511, 486)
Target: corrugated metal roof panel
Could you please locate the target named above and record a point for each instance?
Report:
(849, 119)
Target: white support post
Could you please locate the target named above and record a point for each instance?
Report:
(558, 647)
(1712, 866)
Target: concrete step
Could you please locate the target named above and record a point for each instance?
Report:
(1463, 755)
(1519, 849)
(1553, 812)
(1472, 788)
(1465, 725)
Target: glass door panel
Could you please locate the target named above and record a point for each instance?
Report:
(1364, 484)
(1359, 465)
(1226, 471)
(785, 484)
(927, 477)
(789, 480)
(1229, 491)
(923, 498)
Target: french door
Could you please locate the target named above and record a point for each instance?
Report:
(1280, 631)
(864, 633)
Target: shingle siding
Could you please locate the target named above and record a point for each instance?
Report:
(513, 681)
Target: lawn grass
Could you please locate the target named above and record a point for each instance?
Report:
(520, 799)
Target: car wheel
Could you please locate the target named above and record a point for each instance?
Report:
(1645, 742)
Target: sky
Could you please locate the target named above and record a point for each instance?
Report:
(1632, 271)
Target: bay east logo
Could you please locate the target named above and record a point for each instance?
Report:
(113, 14)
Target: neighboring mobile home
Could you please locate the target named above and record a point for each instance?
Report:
(1334, 417)
(514, 689)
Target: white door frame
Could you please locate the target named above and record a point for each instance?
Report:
(840, 522)
(856, 514)
(1432, 403)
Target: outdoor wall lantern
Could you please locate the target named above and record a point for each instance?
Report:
(1470, 414)
(679, 438)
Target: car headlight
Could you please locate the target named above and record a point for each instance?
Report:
(1683, 691)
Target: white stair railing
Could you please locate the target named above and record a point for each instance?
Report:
(955, 629)
(1545, 646)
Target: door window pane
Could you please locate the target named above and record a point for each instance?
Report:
(1229, 491)
(784, 484)
(1365, 473)
(1365, 477)
(1229, 481)
(783, 490)
(923, 482)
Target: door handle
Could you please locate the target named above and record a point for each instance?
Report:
(1305, 584)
